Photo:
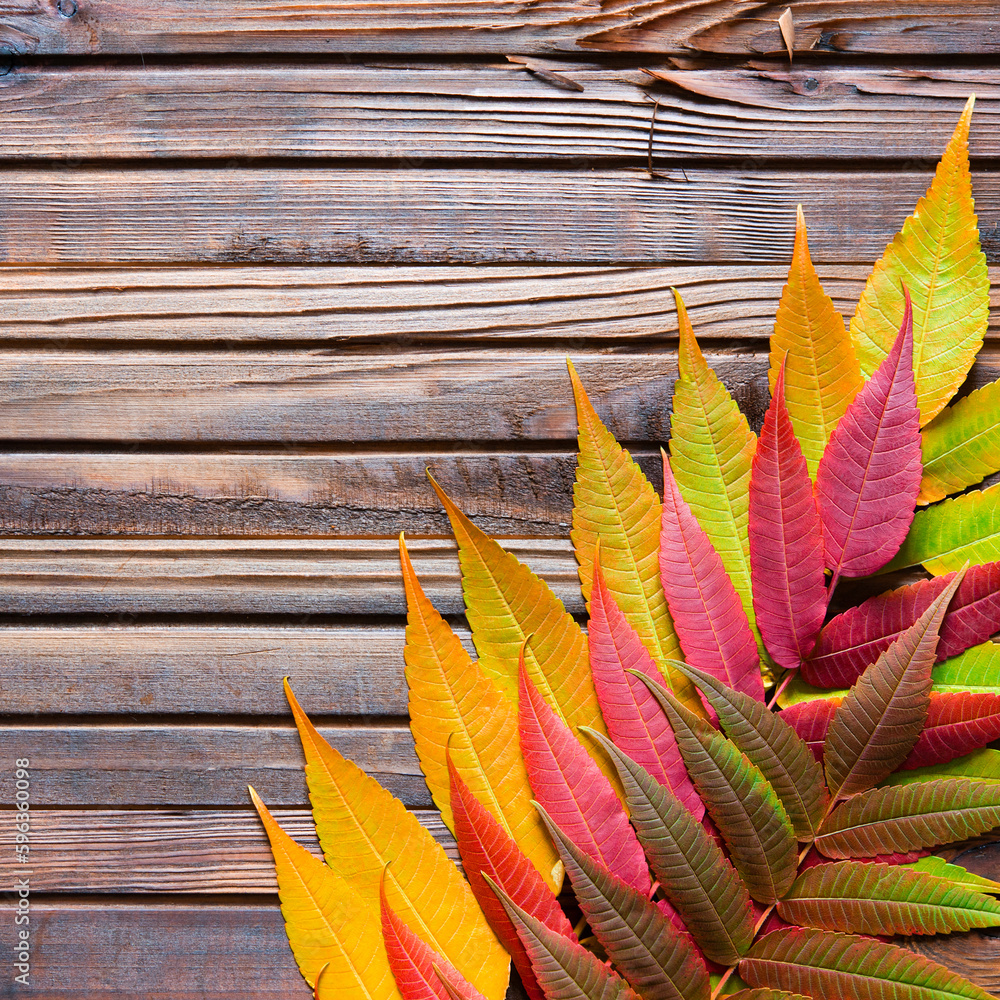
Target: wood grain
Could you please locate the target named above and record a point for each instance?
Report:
(125, 764)
(405, 114)
(462, 26)
(332, 576)
(167, 850)
(360, 215)
(404, 305)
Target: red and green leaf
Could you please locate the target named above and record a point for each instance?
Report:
(786, 541)
(632, 715)
(875, 727)
(869, 475)
(908, 817)
(711, 625)
(573, 790)
(563, 968)
(980, 765)
(956, 874)
(694, 874)
(486, 848)
(865, 898)
(830, 966)
(822, 375)
(655, 957)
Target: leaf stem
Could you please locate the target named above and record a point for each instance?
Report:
(780, 689)
(722, 981)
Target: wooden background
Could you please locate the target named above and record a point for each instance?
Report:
(262, 265)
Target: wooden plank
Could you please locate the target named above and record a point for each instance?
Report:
(167, 850)
(130, 950)
(122, 764)
(190, 951)
(488, 111)
(288, 493)
(498, 395)
(320, 216)
(343, 576)
(404, 304)
(727, 26)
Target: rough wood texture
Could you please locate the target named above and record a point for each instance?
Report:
(122, 764)
(405, 305)
(124, 577)
(724, 26)
(458, 216)
(489, 111)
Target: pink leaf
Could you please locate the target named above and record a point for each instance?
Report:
(851, 641)
(869, 476)
(709, 619)
(786, 541)
(573, 791)
(957, 723)
(635, 721)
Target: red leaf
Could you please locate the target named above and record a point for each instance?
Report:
(851, 641)
(485, 846)
(786, 541)
(957, 723)
(869, 476)
(413, 962)
(574, 792)
(635, 721)
(813, 858)
(709, 619)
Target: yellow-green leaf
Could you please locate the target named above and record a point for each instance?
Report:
(362, 829)
(614, 502)
(937, 256)
(822, 374)
(961, 446)
(711, 451)
(329, 925)
(977, 669)
(451, 699)
(948, 535)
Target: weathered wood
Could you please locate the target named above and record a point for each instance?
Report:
(290, 493)
(489, 111)
(728, 26)
(403, 304)
(167, 850)
(491, 395)
(125, 577)
(123, 764)
(118, 950)
(457, 216)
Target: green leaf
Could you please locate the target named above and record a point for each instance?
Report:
(614, 502)
(770, 743)
(980, 765)
(875, 727)
(933, 865)
(937, 257)
(952, 533)
(908, 817)
(977, 669)
(765, 994)
(828, 966)
(865, 898)
(637, 935)
(694, 874)
(740, 800)
(961, 445)
(711, 451)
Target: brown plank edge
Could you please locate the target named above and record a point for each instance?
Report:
(87, 27)
(321, 216)
(498, 110)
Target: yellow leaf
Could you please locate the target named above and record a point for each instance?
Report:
(822, 374)
(451, 699)
(329, 925)
(363, 829)
(937, 256)
(615, 503)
